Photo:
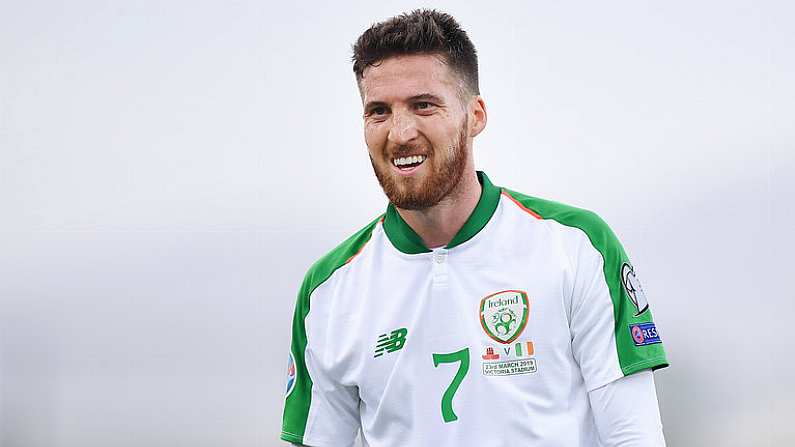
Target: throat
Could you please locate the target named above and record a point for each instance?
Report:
(439, 224)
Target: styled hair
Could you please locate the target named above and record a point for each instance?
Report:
(422, 31)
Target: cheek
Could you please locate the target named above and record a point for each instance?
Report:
(374, 137)
(443, 134)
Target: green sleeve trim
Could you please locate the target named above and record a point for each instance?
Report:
(631, 357)
(299, 399)
(289, 437)
(653, 363)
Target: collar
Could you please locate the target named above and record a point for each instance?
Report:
(405, 239)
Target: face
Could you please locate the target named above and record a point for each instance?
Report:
(417, 129)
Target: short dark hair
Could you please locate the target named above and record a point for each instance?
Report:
(422, 31)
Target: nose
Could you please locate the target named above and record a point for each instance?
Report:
(403, 129)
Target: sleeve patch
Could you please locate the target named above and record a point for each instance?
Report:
(290, 375)
(635, 292)
(644, 334)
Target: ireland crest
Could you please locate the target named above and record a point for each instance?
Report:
(503, 315)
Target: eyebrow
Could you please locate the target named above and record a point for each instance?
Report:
(427, 97)
(421, 97)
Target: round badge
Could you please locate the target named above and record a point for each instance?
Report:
(637, 335)
(290, 375)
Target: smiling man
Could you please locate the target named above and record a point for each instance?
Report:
(467, 314)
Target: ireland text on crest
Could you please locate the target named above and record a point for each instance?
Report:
(504, 315)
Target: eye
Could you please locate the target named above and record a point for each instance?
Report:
(378, 111)
(422, 105)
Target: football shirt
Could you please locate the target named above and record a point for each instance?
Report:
(494, 339)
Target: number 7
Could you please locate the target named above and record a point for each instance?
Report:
(447, 398)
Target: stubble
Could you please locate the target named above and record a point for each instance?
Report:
(438, 185)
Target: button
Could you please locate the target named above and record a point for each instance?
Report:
(439, 268)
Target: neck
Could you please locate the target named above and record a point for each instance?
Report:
(437, 225)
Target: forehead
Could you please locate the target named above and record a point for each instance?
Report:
(405, 76)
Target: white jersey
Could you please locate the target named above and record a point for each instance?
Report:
(493, 340)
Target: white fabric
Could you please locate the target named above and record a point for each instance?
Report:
(396, 398)
(401, 392)
(627, 413)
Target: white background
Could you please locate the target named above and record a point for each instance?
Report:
(169, 170)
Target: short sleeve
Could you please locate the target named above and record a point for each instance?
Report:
(613, 333)
(318, 410)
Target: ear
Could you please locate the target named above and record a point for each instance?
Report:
(477, 115)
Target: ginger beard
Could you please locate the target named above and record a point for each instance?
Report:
(446, 171)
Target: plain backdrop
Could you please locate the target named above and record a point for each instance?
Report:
(169, 170)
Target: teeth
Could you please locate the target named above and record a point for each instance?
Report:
(402, 161)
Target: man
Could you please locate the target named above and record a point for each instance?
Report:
(467, 314)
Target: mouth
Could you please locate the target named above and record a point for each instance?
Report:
(409, 164)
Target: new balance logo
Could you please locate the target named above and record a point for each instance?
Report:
(390, 343)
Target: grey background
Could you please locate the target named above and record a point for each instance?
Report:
(169, 170)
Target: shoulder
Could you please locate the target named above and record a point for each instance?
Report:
(340, 255)
(598, 232)
(551, 210)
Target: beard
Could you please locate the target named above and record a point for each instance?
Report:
(445, 174)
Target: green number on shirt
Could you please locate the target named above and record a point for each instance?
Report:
(447, 398)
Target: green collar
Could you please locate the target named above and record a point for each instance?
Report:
(405, 239)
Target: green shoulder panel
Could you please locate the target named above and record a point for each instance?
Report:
(299, 389)
(638, 344)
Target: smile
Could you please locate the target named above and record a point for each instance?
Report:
(408, 163)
